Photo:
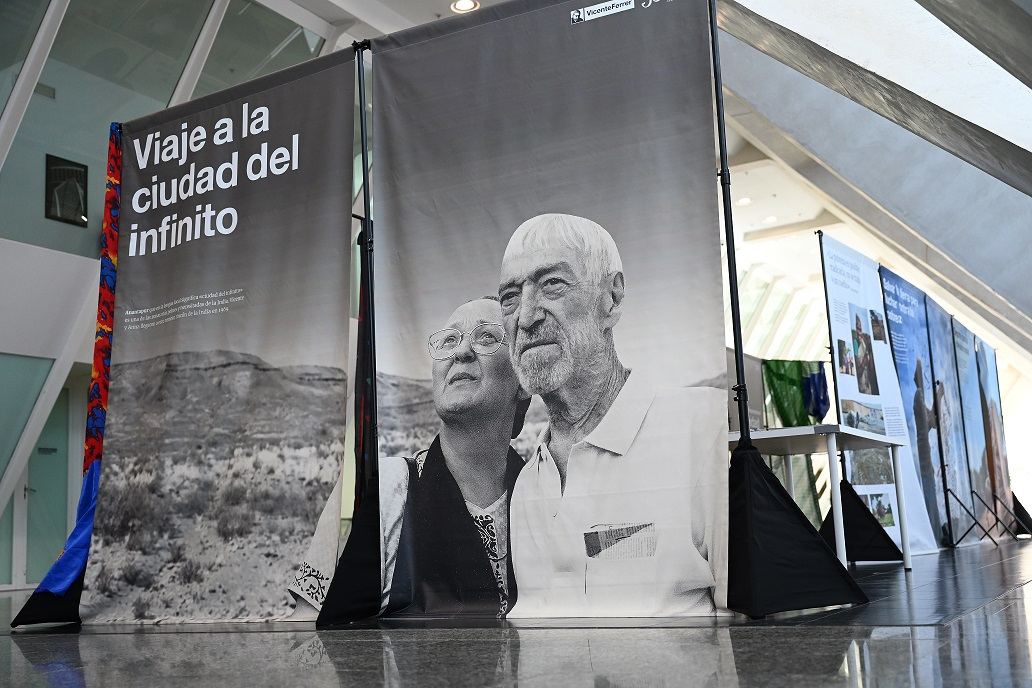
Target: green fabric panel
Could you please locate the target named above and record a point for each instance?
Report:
(784, 385)
(784, 381)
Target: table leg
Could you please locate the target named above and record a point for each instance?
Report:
(835, 480)
(901, 508)
(786, 461)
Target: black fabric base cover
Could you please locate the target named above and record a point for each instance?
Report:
(46, 607)
(776, 559)
(866, 539)
(1024, 524)
(354, 593)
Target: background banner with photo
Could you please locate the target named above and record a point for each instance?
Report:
(868, 392)
(974, 422)
(519, 112)
(950, 415)
(992, 419)
(908, 335)
(225, 418)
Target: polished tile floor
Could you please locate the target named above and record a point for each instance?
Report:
(960, 618)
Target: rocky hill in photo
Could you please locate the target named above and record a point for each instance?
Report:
(216, 467)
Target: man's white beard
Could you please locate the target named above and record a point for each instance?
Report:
(542, 371)
(540, 374)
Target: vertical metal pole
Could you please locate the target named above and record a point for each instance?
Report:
(742, 396)
(831, 337)
(786, 461)
(367, 237)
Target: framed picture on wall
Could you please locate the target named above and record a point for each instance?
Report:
(65, 191)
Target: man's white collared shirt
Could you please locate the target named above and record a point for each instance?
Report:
(636, 531)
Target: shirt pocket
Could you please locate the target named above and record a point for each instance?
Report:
(620, 568)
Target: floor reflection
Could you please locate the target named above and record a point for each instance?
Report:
(988, 646)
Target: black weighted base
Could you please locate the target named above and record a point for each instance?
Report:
(777, 561)
(866, 539)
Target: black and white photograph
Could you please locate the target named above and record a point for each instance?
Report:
(226, 415)
(565, 291)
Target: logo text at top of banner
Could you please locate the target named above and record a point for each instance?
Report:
(600, 10)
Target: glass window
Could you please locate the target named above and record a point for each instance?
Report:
(19, 22)
(112, 61)
(253, 41)
(21, 380)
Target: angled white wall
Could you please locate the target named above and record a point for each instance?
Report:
(44, 289)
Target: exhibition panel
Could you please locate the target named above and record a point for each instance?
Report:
(586, 218)
(907, 324)
(950, 418)
(226, 349)
(867, 389)
(992, 418)
(974, 424)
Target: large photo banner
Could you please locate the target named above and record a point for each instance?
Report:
(907, 322)
(868, 392)
(225, 419)
(547, 234)
(949, 409)
(992, 419)
(974, 423)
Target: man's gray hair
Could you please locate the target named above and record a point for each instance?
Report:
(588, 238)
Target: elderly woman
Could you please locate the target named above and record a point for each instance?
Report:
(447, 525)
(444, 512)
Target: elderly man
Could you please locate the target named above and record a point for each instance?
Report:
(616, 512)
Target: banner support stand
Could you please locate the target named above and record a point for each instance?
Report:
(740, 388)
(974, 521)
(763, 519)
(993, 512)
(997, 500)
(1023, 521)
(996, 515)
(365, 241)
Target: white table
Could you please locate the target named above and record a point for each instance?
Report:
(818, 439)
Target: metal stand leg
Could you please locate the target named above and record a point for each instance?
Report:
(789, 482)
(835, 477)
(997, 500)
(901, 507)
(974, 521)
(996, 516)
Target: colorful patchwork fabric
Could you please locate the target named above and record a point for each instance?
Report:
(72, 560)
(98, 395)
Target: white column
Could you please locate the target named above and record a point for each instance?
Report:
(835, 478)
(901, 508)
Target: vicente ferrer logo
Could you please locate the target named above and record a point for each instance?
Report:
(600, 10)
